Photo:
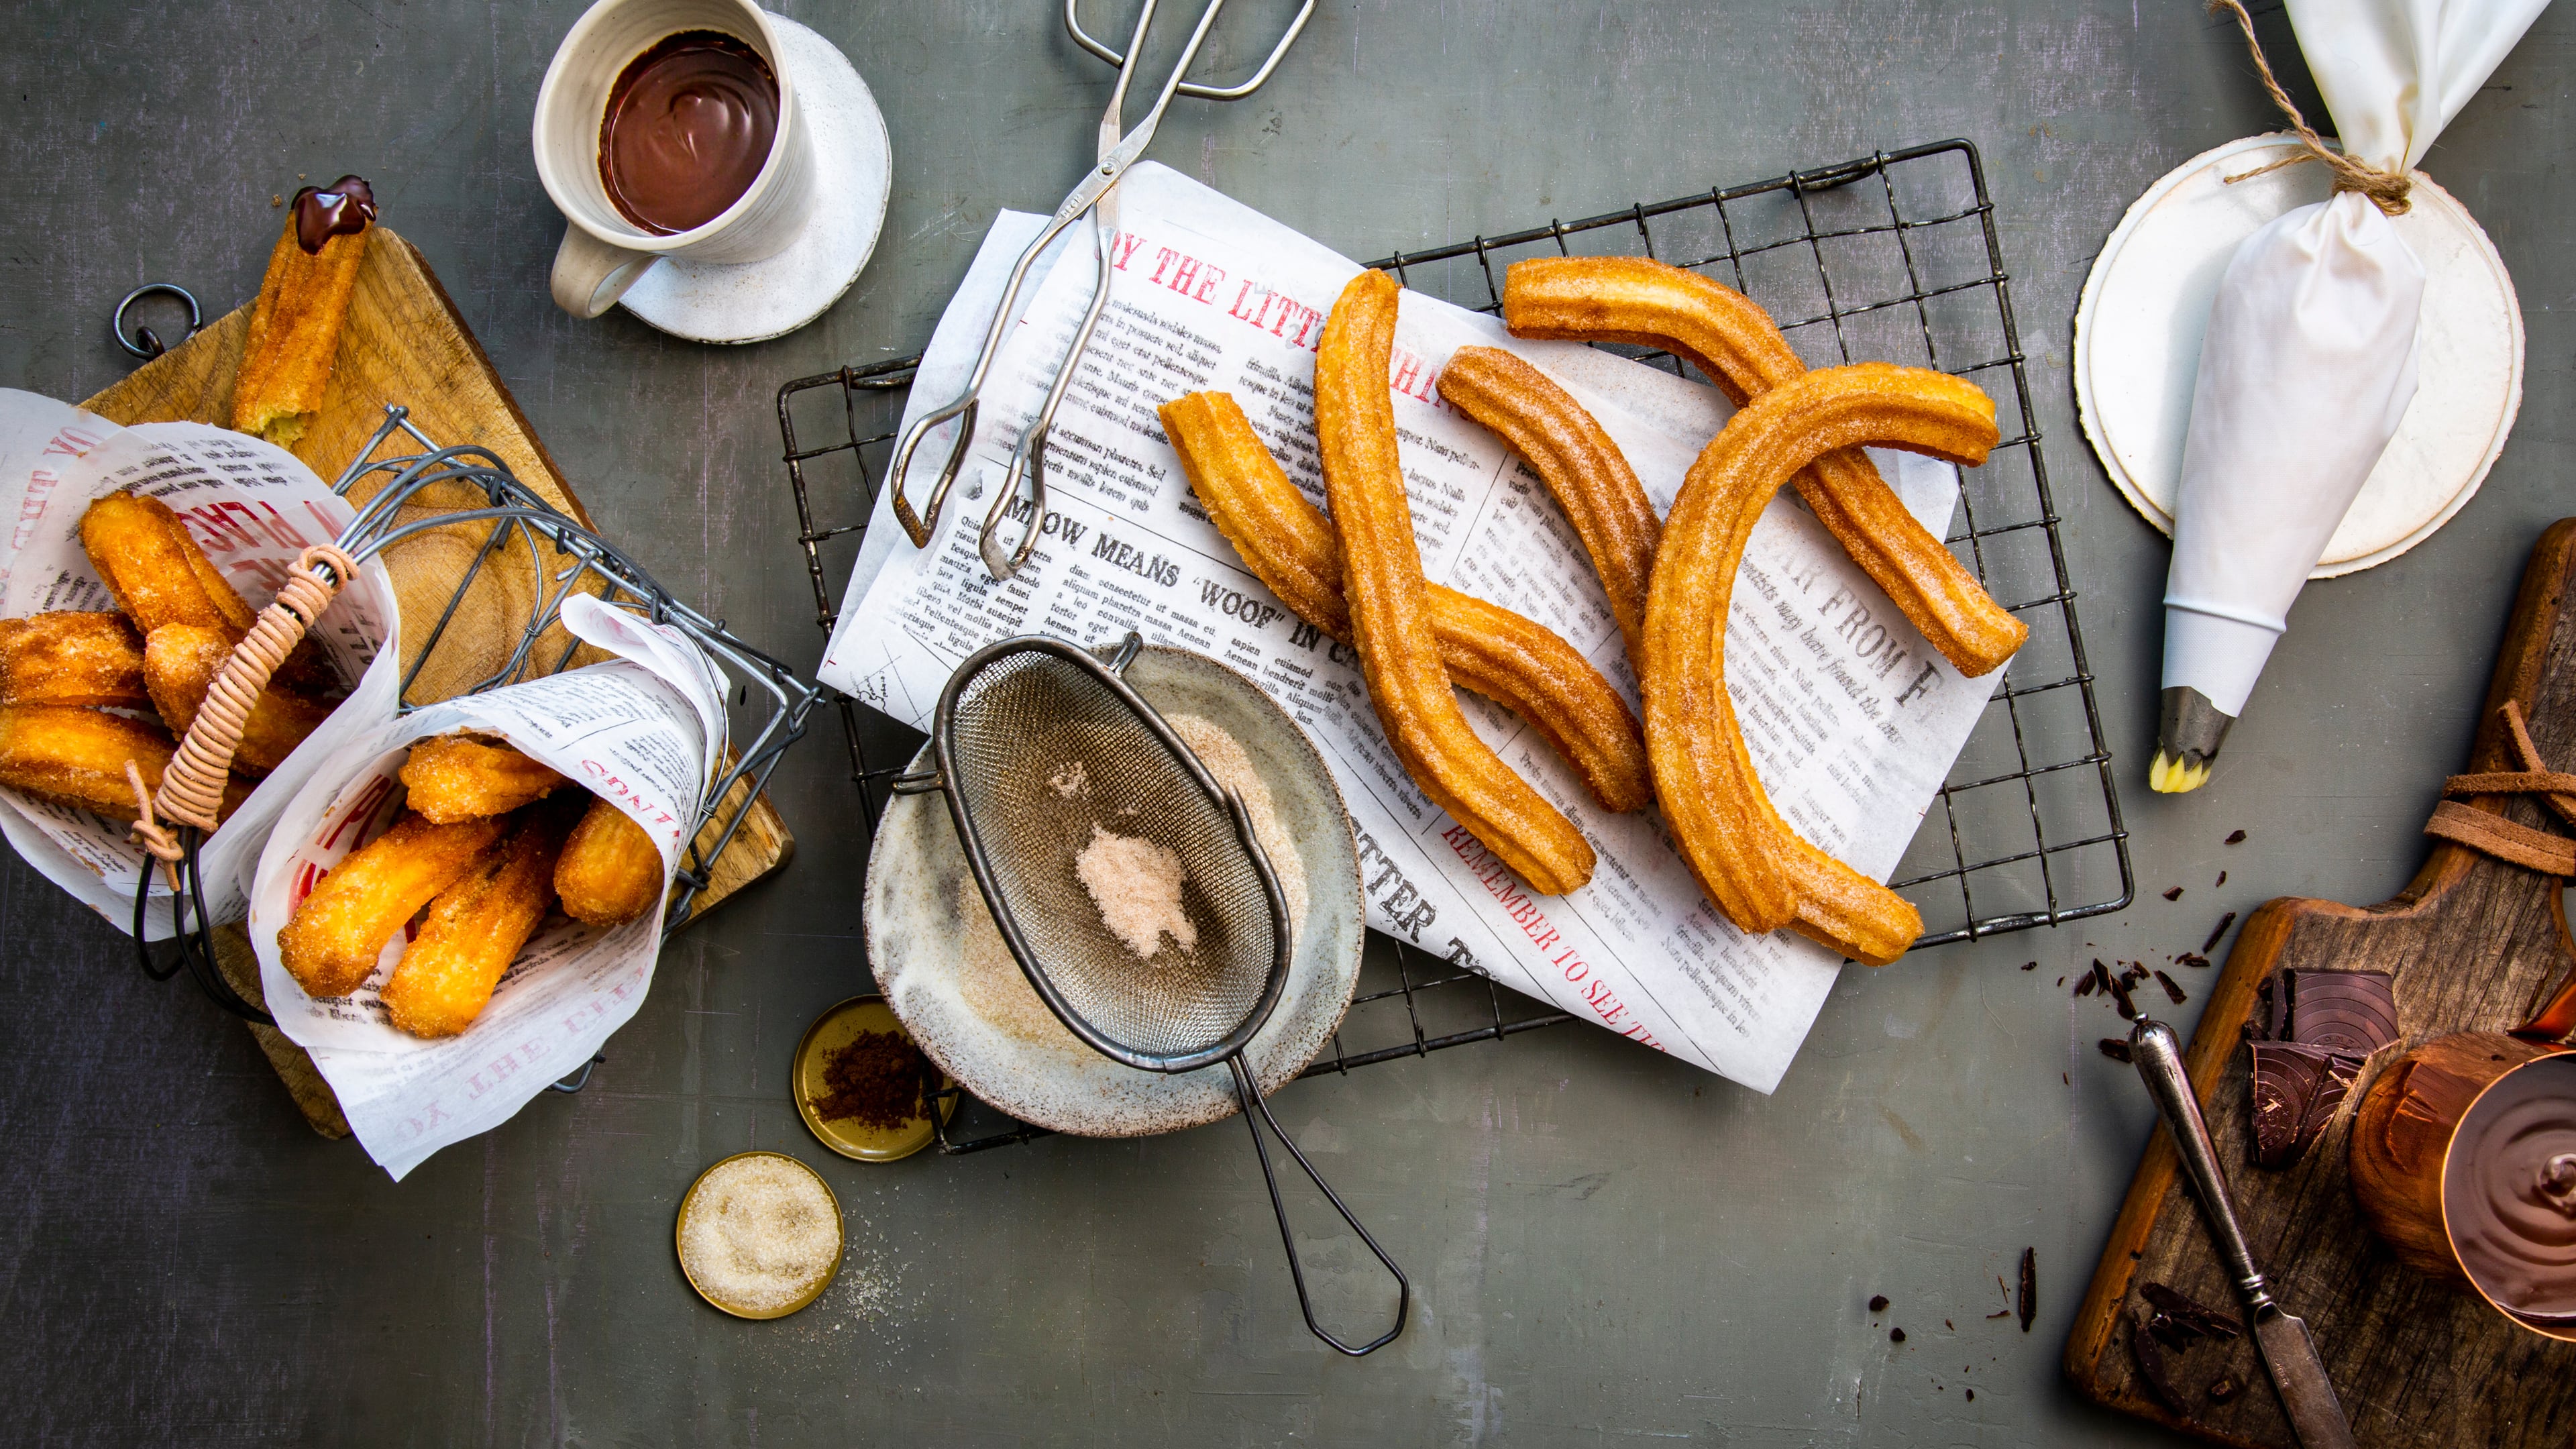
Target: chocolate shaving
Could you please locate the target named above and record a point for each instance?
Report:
(2172, 988)
(2191, 958)
(2222, 880)
(2223, 1388)
(2218, 930)
(2200, 1317)
(2119, 990)
(2172, 1332)
(2101, 975)
(2136, 973)
(2236, 837)
(2000, 1313)
(2151, 1365)
(2174, 893)
(2297, 1090)
(2029, 1304)
(2114, 1048)
(2085, 983)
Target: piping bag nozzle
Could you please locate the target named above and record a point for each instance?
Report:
(2188, 734)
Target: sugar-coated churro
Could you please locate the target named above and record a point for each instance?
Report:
(1756, 871)
(331, 943)
(303, 301)
(1722, 333)
(1580, 465)
(75, 657)
(475, 928)
(1520, 664)
(1390, 618)
(610, 872)
(76, 757)
(154, 570)
(180, 662)
(458, 777)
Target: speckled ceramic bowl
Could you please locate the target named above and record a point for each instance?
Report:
(945, 972)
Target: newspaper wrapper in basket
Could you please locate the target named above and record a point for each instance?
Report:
(2308, 365)
(253, 507)
(644, 732)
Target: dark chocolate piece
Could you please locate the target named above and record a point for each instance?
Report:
(2029, 1304)
(2174, 893)
(2236, 837)
(344, 208)
(2345, 1011)
(2085, 983)
(2217, 931)
(2151, 1365)
(1878, 1303)
(2119, 990)
(1896, 1335)
(2114, 1048)
(2202, 1318)
(2172, 988)
(2297, 1090)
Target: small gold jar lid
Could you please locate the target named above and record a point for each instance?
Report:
(690, 1204)
(831, 1031)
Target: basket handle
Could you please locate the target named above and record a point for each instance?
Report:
(192, 788)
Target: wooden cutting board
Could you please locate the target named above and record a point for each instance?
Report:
(405, 343)
(2475, 944)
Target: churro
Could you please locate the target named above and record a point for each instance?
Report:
(1390, 618)
(1580, 465)
(303, 301)
(76, 757)
(180, 662)
(72, 657)
(610, 872)
(458, 777)
(475, 928)
(1722, 333)
(156, 573)
(331, 943)
(1756, 871)
(1518, 663)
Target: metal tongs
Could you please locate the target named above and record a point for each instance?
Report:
(1119, 149)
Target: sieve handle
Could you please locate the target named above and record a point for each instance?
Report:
(1250, 1095)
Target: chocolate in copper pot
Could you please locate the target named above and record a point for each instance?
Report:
(2509, 1191)
(689, 124)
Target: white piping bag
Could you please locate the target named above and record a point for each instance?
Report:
(2309, 361)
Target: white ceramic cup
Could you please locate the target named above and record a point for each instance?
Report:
(602, 252)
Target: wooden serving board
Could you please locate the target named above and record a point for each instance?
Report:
(405, 343)
(2475, 944)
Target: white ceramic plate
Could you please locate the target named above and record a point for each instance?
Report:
(2138, 331)
(853, 172)
(985, 1026)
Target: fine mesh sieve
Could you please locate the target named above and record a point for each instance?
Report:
(1075, 803)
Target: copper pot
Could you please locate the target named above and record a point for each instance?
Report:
(2402, 1140)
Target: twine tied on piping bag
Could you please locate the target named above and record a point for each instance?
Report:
(2387, 187)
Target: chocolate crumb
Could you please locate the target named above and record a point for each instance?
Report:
(2029, 1304)
(2030, 965)
(2172, 988)
(1878, 1303)
(2217, 931)
(2136, 973)
(2173, 893)
(1896, 1335)
(1972, 1396)
(2191, 958)
(2061, 980)
(2114, 1048)
(2000, 1313)
(1945, 1323)
(2236, 837)
(2222, 880)
(2223, 1388)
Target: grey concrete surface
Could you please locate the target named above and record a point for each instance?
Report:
(1610, 1247)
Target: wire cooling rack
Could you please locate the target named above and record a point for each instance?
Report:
(1892, 257)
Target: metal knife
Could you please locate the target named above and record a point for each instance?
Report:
(2289, 1355)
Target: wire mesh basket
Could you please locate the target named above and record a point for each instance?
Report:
(1890, 257)
(526, 556)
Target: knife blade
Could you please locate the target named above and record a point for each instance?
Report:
(2289, 1354)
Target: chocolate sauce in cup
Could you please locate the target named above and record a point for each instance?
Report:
(2509, 1192)
(689, 124)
